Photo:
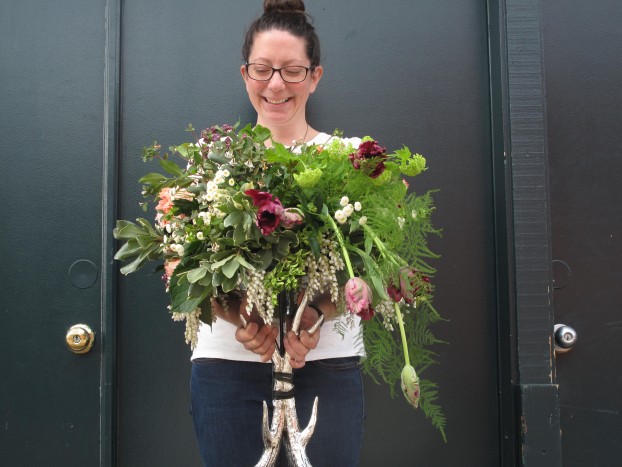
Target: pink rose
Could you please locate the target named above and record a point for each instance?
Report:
(269, 210)
(369, 157)
(358, 298)
(291, 217)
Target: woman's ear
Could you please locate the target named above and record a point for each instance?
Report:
(316, 75)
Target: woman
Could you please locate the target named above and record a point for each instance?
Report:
(231, 374)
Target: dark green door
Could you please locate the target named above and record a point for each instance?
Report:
(405, 72)
(51, 120)
(582, 45)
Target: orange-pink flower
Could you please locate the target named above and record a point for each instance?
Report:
(169, 266)
(164, 205)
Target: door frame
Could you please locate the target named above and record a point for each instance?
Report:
(528, 395)
(111, 157)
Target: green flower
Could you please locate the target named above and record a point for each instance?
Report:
(414, 166)
(308, 178)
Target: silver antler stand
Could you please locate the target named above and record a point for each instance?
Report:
(284, 418)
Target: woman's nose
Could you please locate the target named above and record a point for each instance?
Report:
(276, 82)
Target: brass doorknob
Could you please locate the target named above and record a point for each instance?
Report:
(80, 338)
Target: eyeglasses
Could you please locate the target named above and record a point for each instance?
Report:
(289, 74)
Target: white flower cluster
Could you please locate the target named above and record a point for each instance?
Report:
(192, 325)
(323, 272)
(258, 296)
(221, 176)
(211, 192)
(174, 238)
(341, 215)
(386, 309)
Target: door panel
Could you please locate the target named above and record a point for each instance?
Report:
(51, 82)
(405, 72)
(409, 73)
(582, 44)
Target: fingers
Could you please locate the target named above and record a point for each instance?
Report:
(299, 347)
(260, 340)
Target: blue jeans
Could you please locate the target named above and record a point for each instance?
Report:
(227, 407)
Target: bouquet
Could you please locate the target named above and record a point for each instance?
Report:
(237, 215)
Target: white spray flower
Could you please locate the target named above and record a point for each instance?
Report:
(348, 209)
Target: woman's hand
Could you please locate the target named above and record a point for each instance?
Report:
(299, 346)
(258, 338)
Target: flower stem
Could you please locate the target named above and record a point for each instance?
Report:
(381, 247)
(342, 243)
(400, 322)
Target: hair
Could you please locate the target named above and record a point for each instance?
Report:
(285, 15)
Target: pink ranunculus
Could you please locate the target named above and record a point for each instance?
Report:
(369, 157)
(164, 205)
(358, 298)
(291, 217)
(411, 281)
(269, 210)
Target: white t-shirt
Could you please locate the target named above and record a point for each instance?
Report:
(219, 340)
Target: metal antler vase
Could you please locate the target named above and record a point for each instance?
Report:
(285, 427)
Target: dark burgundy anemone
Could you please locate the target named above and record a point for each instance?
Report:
(370, 158)
(269, 210)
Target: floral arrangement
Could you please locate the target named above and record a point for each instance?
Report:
(242, 216)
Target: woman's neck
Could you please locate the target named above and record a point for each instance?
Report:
(289, 135)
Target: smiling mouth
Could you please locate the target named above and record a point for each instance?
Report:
(280, 101)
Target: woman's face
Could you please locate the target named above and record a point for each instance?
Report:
(277, 102)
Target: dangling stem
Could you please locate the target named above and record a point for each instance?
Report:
(400, 322)
(342, 243)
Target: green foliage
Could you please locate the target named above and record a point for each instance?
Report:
(212, 233)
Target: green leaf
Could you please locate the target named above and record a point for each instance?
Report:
(206, 311)
(378, 286)
(240, 234)
(128, 250)
(229, 284)
(127, 230)
(152, 179)
(171, 167)
(266, 258)
(195, 275)
(244, 263)
(218, 264)
(229, 269)
(235, 218)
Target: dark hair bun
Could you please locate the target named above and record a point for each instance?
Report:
(283, 6)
